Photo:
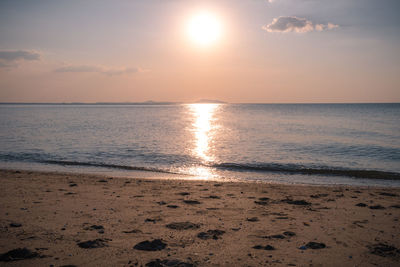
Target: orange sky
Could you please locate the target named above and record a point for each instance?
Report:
(279, 52)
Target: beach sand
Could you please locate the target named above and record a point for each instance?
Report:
(203, 223)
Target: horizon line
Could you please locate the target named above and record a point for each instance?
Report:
(181, 102)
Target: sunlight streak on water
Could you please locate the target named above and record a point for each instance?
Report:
(204, 127)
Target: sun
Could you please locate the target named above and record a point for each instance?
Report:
(204, 28)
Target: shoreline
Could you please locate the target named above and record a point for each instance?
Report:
(271, 178)
(204, 223)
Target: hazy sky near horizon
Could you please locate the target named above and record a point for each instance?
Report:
(270, 51)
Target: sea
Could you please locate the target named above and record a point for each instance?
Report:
(318, 144)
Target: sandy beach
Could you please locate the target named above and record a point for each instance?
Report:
(90, 220)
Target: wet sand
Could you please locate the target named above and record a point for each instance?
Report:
(90, 220)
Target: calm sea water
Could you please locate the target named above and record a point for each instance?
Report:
(289, 143)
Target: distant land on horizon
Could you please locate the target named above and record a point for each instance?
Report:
(201, 101)
(148, 102)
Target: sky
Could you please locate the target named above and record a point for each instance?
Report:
(266, 51)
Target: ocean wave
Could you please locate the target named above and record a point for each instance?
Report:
(105, 165)
(277, 168)
(300, 169)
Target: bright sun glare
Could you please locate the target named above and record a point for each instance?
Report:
(204, 28)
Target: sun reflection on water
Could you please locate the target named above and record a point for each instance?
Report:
(204, 130)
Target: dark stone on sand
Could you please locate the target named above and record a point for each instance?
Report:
(134, 231)
(263, 198)
(278, 213)
(384, 250)
(168, 263)
(395, 206)
(361, 205)
(319, 195)
(182, 225)
(388, 194)
(154, 245)
(172, 206)
(161, 203)
(252, 219)
(297, 202)
(192, 202)
(72, 185)
(18, 254)
(102, 181)
(97, 243)
(217, 185)
(311, 209)
(70, 193)
(94, 227)
(214, 197)
(263, 203)
(152, 220)
(289, 233)
(315, 245)
(210, 234)
(267, 247)
(377, 207)
(15, 224)
(183, 193)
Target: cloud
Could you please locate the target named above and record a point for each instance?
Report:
(295, 24)
(11, 58)
(98, 69)
(13, 55)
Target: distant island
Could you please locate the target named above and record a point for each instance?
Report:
(148, 102)
(93, 103)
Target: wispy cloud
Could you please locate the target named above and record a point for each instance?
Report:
(98, 69)
(11, 58)
(295, 24)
